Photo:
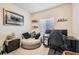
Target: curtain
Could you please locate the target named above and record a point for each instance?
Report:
(46, 24)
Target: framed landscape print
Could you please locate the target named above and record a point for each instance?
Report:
(12, 18)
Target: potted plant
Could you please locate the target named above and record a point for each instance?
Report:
(2, 51)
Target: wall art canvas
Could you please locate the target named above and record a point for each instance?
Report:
(12, 18)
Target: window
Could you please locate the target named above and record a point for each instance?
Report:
(46, 24)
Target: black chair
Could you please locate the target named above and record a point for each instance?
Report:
(56, 42)
(72, 44)
(60, 43)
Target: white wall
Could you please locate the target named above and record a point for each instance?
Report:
(63, 11)
(75, 20)
(7, 29)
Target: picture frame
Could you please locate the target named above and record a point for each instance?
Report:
(12, 18)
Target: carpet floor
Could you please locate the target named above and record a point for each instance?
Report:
(39, 51)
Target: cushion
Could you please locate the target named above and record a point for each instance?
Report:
(37, 36)
(26, 35)
(33, 34)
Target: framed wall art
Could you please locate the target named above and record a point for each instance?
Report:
(12, 18)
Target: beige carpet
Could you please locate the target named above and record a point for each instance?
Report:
(39, 51)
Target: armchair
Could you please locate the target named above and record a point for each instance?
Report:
(31, 42)
(11, 45)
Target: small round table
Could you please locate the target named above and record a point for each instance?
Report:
(30, 43)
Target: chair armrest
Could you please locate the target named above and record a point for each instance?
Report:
(70, 53)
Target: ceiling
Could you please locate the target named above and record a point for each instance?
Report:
(36, 7)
